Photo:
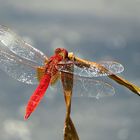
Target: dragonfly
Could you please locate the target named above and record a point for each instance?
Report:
(27, 64)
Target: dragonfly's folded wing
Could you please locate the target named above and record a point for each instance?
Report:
(112, 66)
(91, 69)
(10, 42)
(90, 88)
(18, 68)
(87, 87)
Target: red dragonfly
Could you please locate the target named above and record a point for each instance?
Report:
(29, 65)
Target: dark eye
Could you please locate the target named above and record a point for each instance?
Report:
(58, 50)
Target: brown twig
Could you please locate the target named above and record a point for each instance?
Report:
(69, 128)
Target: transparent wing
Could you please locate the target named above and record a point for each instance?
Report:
(18, 68)
(93, 70)
(12, 43)
(112, 66)
(89, 87)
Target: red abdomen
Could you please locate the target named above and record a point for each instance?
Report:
(37, 95)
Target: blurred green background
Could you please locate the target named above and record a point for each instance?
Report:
(92, 29)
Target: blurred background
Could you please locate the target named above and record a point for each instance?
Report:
(94, 30)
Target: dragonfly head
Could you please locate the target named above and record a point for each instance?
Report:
(62, 52)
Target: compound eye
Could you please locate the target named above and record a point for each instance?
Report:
(58, 50)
